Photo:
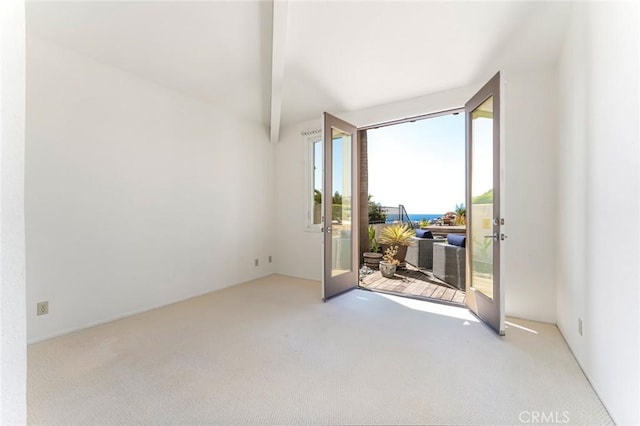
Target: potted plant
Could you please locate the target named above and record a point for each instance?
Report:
(373, 256)
(461, 214)
(389, 263)
(399, 235)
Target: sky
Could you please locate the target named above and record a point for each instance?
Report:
(419, 164)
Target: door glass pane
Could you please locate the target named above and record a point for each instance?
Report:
(341, 203)
(482, 198)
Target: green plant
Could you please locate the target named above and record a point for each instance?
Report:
(336, 207)
(423, 223)
(397, 234)
(390, 255)
(486, 198)
(373, 244)
(461, 214)
(376, 213)
(337, 198)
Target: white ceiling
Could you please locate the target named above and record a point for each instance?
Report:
(218, 52)
(339, 56)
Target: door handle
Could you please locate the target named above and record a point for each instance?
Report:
(328, 229)
(494, 236)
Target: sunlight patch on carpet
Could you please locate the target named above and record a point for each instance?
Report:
(433, 308)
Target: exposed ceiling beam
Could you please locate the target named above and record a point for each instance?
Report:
(278, 50)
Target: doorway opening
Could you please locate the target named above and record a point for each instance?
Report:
(484, 171)
(412, 172)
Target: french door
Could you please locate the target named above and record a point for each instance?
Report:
(485, 295)
(340, 200)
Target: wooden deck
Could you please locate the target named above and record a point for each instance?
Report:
(413, 283)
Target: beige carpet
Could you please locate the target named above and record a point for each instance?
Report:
(270, 352)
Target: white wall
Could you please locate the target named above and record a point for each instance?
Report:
(136, 196)
(572, 189)
(598, 178)
(299, 250)
(13, 354)
(530, 173)
(530, 193)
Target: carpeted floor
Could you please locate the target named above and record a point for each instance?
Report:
(270, 352)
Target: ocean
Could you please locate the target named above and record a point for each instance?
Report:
(392, 216)
(428, 216)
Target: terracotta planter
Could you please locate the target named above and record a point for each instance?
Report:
(387, 269)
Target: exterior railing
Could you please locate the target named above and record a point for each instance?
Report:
(394, 215)
(404, 216)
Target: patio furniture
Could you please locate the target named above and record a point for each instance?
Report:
(449, 261)
(420, 252)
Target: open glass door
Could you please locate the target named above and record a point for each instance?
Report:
(340, 215)
(483, 284)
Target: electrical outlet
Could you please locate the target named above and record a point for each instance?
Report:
(580, 326)
(255, 262)
(269, 259)
(42, 308)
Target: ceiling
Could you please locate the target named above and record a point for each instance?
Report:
(336, 56)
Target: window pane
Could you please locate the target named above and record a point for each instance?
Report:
(317, 183)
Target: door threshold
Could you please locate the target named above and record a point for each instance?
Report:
(414, 296)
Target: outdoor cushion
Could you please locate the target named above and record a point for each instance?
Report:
(424, 233)
(456, 240)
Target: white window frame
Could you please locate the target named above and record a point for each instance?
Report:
(310, 138)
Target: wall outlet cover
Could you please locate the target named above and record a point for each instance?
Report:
(42, 308)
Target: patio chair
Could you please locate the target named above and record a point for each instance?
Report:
(420, 252)
(449, 261)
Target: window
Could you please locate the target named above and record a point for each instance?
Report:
(316, 216)
(314, 186)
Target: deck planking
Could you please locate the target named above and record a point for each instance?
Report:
(414, 283)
